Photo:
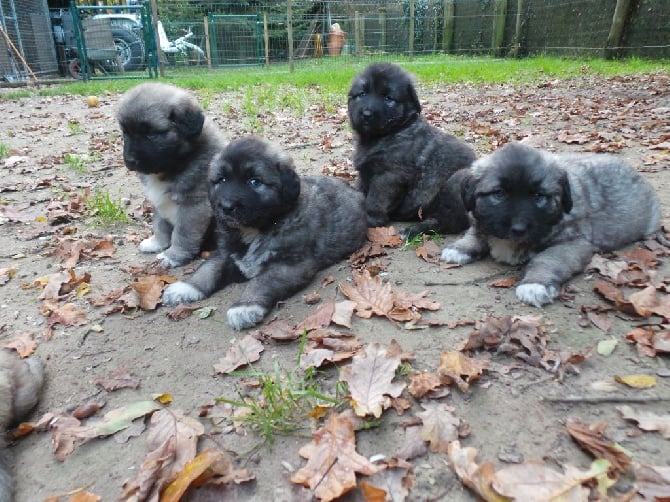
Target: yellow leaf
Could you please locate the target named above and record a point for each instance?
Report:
(165, 398)
(41, 219)
(636, 381)
(191, 471)
(83, 288)
(319, 411)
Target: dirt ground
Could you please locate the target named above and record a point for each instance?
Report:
(508, 420)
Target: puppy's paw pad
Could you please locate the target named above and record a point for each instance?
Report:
(181, 292)
(245, 316)
(536, 294)
(151, 245)
(451, 255)
(166, 261)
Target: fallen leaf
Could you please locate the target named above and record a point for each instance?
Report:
(343, 312)
(149, 289)
(440, 426)
(319, 319)
(120, 378)
(477, 478)
(592, 438)
(332, 460)
(385, 236)
(23, 343)
(507, 282)
(246, 351)
(637, 381)
(647, 421)
(369, 377)
(652, 482)
(423, 383)
(181, 311)
(606, 347)
(460, 369)
(372, 297)
(649, 302)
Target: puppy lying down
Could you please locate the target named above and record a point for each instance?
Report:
(553, 212)
(275, 231)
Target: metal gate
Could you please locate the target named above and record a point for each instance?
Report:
(113, 42)
(235, 39)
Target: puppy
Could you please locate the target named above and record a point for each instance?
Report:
(274, 230)
(169, 142)
(404, 163)
(21, 381)
(552, 211)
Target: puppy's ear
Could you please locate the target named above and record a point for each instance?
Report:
(188, 120)
(468, 188)
(290, 182)
(566, 195)
(414, 98)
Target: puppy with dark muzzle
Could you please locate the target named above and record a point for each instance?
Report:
(405, 165)
(274, 230)
(169, 142)
(552, 211)
(21, 382)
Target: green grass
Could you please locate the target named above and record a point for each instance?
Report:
(330, 78)
(105, 210)
(286, 402)
(4, 151)
(75, 127)
(75, 162)
(417, 240)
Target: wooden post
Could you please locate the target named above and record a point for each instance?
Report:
(357, 32)
(266, 39)
(411, 30)
(289, 28)
(516, 46)
(613, 44)
(382, 28)
(499, 17)
(208, 47)
(448, 27)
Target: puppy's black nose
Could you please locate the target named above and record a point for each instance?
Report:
(131, 163)
(518, 229)
(227, 205)
(366, 114)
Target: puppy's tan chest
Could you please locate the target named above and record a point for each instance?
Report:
(161, 197)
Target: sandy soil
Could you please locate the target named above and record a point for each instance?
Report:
(507, 418)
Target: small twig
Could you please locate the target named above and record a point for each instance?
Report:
(605, 399)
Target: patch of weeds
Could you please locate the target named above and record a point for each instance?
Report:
(4, 151)
(417, 240)
(404, 369)
(75, 162)
(286, 400)
(75, 127)
(105, 209)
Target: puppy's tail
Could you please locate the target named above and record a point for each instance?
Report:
(21, 381)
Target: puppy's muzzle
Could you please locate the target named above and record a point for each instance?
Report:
(518, 231)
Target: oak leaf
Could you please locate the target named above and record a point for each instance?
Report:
(440, 426)
(246, 351)
(460, 368)
(372, 297)
(385, 236)
(332, 460)
(647, 420)
(369, 377)
(592, 438)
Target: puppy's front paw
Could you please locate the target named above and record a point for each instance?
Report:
(168, 261)
(152, 245)
(245, 315)
(536, 294)
(181, 292)
(451, 255)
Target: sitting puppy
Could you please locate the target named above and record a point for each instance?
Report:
(168, 140)
(274, 230)
(552, 211)
(20, 385)
(404, 163)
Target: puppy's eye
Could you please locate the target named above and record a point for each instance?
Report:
(254, 182)
(219, 181)
(388, 99)
(497, 196)
(541, 199)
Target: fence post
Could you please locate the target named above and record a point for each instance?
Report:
(357, 32)
(289, 29)
(516, 46)
(154, 22)
(208, 47)
(266, 39)
(448, 27)
(615, 36)
(411, 30)
(499, 17)
(382, 28)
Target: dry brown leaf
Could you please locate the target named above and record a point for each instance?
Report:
(423, 383)
(643, 338)
(343, 312)
(476, 477)
(413, 444)
(460, 369)
(649, 302)
(332, 460)
(319, 319)
(613, 294)
(246, 351)
(600, 320)
(277, 330)
(507, 282)
(366, 252)
(372, 297)
(393, 482)
(84, 496)
(369, 377)
(652, 482)
(429, 252)
(7, 273)
(385, 236)
(440, 426)
(120, 378)
(646, 420)
(149, 289)
(67, 315)
(181, 311)
(592, 438)
(23, 343)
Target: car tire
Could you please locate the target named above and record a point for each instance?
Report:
(130, 49)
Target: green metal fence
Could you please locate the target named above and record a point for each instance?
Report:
(235, 39)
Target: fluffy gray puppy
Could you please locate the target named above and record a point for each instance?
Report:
(21, 381)
(169, 142)
(275, 231)
(552, 211)
(405, 165)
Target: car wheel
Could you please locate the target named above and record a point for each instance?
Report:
(130, 49)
